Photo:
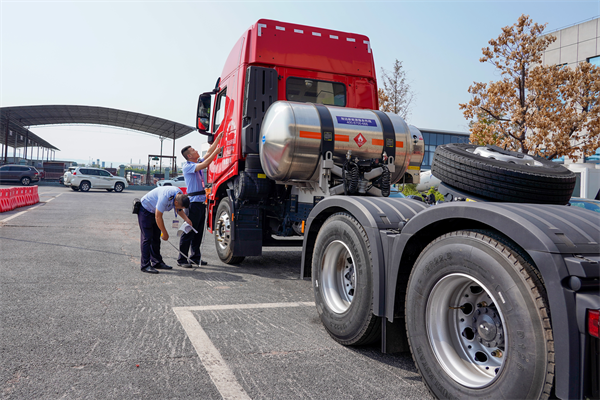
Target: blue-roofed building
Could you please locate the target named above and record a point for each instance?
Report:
(433, 138)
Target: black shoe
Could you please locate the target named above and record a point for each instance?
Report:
(162, 266)
(185, 265)
(199, 263)
(149, 270)
(203, 262)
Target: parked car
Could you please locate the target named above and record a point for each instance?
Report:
(588, 204)
(67, 176)
(19, 173)
(179, 182)
(86, 178)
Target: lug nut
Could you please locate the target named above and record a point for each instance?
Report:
(497, 353)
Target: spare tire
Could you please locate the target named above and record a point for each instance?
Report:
(502, 175)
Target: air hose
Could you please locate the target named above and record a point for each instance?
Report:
(351, 175)
(385, 182)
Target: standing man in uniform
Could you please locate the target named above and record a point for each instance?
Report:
(150, 218)
(192, 173)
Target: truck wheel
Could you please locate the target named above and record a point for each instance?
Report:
(343, 281)
(477, 320)
(502, 175)
(223, 227)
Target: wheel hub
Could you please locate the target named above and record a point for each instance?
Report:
(515, 158)
(350, 278)
(338, 277)
(465, 330)
(223, 230)
(488, 326)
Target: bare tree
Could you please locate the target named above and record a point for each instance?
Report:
(551, 111)
(396, 96)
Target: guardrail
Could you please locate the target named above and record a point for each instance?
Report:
(15, 197)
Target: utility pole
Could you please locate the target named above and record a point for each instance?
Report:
(160, 158)
(174, 160)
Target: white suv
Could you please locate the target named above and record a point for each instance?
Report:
(86, 178)
(179, 182)
(67, 176)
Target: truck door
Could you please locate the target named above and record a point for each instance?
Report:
(222, 123)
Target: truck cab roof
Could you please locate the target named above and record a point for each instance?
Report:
(283, 44)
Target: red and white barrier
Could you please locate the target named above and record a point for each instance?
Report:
(14, 197)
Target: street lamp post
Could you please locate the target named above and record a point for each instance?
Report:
(160, 159)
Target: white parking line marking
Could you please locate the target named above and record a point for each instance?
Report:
(48, 201)
(13, 216)
(214, 364)
(29, 209)
(244, 306)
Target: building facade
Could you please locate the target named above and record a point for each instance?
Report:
(576, 44)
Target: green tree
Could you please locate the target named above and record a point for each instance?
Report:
(396, 96)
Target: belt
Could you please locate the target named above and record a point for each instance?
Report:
(199, 193)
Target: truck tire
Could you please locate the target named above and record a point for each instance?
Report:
(343, 281)
(223, 238)
(501, 175)
(477, 320)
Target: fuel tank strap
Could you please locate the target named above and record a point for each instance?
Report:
(327, 130)
(389, 135)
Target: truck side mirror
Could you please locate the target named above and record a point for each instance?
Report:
(203, 120)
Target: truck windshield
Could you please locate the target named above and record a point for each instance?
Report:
(313, 91)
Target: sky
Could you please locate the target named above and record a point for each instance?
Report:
(156, 57)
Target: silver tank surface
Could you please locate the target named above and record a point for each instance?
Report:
(291, 140)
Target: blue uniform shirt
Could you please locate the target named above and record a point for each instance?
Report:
(162, 199)
(193, 180)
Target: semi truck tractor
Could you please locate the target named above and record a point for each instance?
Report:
(494, 292)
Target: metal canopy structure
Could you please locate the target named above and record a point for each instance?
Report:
(18, 135)
(15, 121)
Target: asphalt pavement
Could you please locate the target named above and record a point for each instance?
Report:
(79, 320)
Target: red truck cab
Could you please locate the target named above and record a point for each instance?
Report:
(280, 61)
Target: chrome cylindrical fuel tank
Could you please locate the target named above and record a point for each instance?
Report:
(290, 148)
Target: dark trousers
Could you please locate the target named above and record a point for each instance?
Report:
(197, 214)
(150, 239)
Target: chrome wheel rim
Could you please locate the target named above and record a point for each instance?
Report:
(494, 155)
(26, 181)
(85, 187)
(118, 187)
(223, 231)
(338, 277)
(466, 330)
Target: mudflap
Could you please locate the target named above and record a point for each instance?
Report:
(248, 232)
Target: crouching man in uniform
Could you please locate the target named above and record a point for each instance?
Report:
(154, 204)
